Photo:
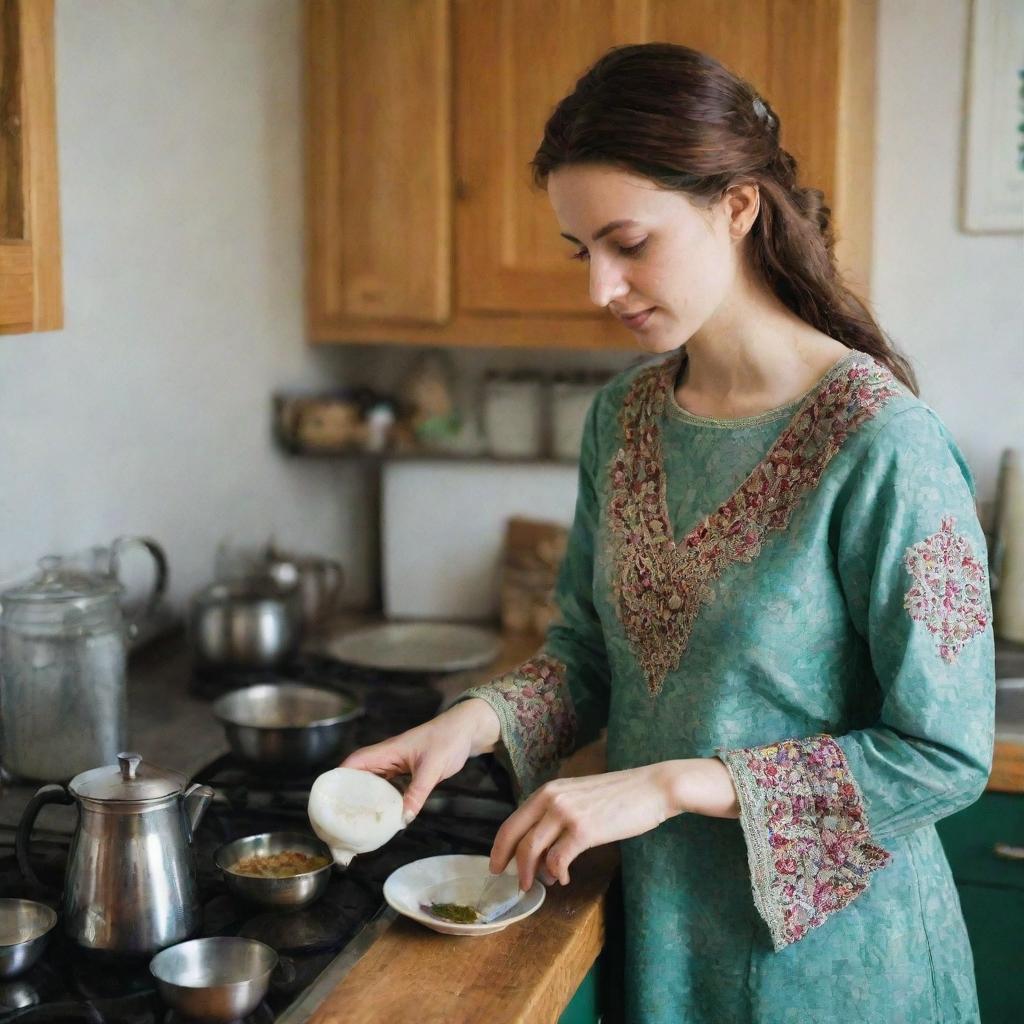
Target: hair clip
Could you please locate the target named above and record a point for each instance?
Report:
(762, 113)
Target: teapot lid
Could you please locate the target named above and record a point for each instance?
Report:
(55, 582)
(130, 781)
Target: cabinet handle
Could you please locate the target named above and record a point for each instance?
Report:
(1008, 852)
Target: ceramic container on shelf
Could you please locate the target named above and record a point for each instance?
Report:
(1008, 550)
(513, 412)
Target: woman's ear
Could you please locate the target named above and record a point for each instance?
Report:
(742, 202)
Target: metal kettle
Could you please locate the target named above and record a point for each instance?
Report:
(130, 885)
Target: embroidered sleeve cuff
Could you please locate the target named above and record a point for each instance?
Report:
(808, 843)
(538, 724)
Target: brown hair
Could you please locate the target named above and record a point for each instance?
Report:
(681, 119)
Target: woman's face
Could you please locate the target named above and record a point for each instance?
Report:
(670, 257)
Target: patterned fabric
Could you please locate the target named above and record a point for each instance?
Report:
(660, 585)
(950, 594)
(807, 834)
(538, 723)
(783, 630)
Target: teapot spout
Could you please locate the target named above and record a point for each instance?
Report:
(197, 799)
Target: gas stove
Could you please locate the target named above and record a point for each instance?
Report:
(316, 944)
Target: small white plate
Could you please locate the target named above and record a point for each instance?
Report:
(455, 878)
(418, 647)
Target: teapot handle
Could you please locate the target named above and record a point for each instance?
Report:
(54, 794)
(159, 583)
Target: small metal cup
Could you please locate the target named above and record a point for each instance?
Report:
(293, 891)
(25, 928)
(216, 979)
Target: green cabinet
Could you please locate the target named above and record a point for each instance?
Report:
(991, 892)
(584, 1007)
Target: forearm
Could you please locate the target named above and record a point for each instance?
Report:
(700, 785)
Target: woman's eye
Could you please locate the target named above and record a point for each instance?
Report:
(625, 250)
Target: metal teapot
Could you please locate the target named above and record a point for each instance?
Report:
(131, 879)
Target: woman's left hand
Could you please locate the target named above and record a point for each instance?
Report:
(567, 816)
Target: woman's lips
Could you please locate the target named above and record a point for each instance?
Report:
(636, 322)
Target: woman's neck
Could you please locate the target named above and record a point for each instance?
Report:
(740, 365)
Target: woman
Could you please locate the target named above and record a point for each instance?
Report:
(774, 595)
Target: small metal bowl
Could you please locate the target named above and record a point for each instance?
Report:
(288, 726)
(25, 928)
(216, 979)
(293, 891)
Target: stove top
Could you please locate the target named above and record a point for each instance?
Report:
(461, 816)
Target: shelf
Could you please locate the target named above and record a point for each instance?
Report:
(377, 458)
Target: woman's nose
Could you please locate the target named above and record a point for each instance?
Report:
(606, 283)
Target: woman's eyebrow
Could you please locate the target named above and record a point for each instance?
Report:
(610, 226)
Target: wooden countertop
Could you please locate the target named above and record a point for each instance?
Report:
(524, 975)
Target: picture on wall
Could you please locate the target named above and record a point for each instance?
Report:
(993, 165)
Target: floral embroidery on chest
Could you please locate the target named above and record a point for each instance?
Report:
(660, 585)
(950, 589)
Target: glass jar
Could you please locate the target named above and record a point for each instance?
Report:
(63, 649)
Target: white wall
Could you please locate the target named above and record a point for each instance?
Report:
(180, 170)
(953, 302)
(180, 166)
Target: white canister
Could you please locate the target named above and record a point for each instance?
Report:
(513, 415)
(570, 402)
(1008, 554)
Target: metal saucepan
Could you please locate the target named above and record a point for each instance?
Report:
(244, 624)
(293, 891)
(223, 978)
(288, 726)
(25, 927)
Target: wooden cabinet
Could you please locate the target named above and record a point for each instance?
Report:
(30, 259)
(991, 890)
(423, 115)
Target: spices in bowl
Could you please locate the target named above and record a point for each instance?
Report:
(286, 864)
(276, 869)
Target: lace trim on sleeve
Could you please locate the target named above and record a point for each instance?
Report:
(538, 723)
(808, 843)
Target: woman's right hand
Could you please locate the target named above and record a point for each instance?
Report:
(431, 752)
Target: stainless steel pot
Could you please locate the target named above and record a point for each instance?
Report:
(244, 624)
(288, 726)
(223, 978)
(293, 891)
(131, 876)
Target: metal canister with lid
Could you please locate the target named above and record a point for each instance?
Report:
(63, 648)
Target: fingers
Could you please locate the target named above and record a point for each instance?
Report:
(532, 848)
(425, 777)
(561, 854)
(515, 826)
(380, 758)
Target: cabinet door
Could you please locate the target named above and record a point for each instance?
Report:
(514, 59)
(993, 917)
(970, 837)
(378, 158)
(30, 263)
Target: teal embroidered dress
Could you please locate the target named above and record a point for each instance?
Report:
(802, 594)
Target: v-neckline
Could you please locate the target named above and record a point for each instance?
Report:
(673, 367)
